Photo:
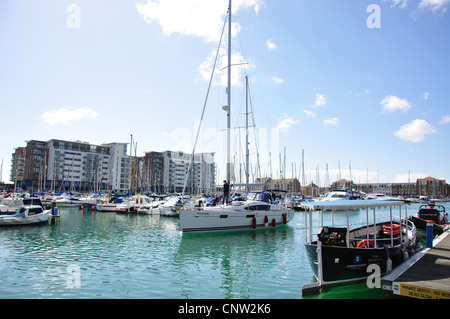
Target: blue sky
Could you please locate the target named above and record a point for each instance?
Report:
(355, 84)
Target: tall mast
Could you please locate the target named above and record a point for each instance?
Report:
(229, 97)
(247, 155)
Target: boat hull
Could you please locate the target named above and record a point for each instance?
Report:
(223, 219)
(110, 208)
(343, 264)
(20, 221)
(422, 225)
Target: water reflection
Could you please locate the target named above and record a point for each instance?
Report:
(146, 256)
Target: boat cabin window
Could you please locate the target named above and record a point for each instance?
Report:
(258, 207)
(35, 211)
(32, 201)
(259, 196)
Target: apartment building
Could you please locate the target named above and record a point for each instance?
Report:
(59, 165)
(79, 166)
(196, 178)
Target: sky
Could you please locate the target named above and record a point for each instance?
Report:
(354, 89)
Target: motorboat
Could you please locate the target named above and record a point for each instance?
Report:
(431, 214)
(26, 215)
(67, 201)
(90, 202)
(341, 255)
(9, 205)
(133, 204)
(109, 204)
(339, 195)
(152, 208)
(172, 206)
(380, 196)
(258, 210)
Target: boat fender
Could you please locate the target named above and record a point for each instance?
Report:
(284, 219)
(274, 222)
(254, 222)
(366, 244)
(266, 221)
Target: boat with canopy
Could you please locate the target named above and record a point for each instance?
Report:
(344, 254)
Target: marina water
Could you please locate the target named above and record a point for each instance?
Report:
(108, 255)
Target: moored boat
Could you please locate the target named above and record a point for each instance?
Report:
(9, 205)
(133, 204)
(109, 204)
(152, 208)
(340, 255)
(172, 206)
(26, 215)
(256, 211)
(67, 201)
(431, 214)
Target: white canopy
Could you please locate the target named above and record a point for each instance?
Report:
(349, 204)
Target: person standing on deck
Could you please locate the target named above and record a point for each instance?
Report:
(226, 192)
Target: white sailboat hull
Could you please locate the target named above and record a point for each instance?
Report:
(225, 218)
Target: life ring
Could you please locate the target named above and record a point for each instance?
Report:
(366, 244)
(395, 230)
(254, 222)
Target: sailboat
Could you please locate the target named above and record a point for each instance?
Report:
(257, 209)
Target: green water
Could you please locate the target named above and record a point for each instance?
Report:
(108, 255)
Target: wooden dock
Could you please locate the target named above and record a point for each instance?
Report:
(426, 275)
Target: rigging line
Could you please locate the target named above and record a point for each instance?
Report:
(206, 101)
(258, 168)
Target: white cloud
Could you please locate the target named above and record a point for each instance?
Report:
(415, 131)
(426, 95)
(200, 18)
(270, 45)
(412, 177)
(309, 114)
(285, 122)
(445, 119)
(434, 5)
(392, 103)
(332, 121)
(67, 115)
(365, 92)
(277, 80)
(401, 3)
(320, 100)
(221, 73)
